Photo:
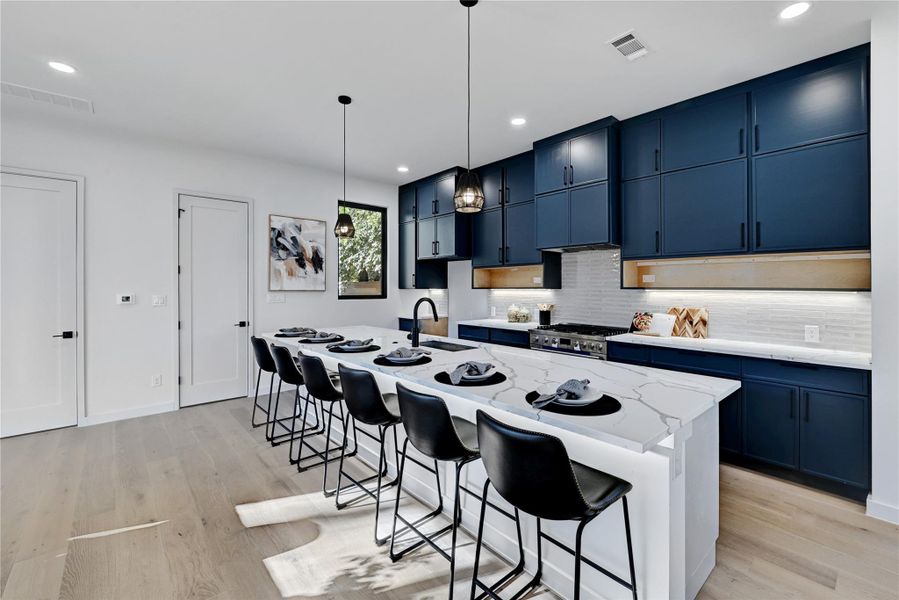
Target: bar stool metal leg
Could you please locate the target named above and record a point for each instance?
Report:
(630, 550)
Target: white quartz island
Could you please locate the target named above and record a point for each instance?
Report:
(664, 440)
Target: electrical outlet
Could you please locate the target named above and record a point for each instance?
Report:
(158, 300)
(156, 381)
(812, 333)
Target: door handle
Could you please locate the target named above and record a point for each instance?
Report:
(65, 335)
(564, 175)
(656, 159)
(571, 174)
(741, 141)
(241, 324)
(756, 136)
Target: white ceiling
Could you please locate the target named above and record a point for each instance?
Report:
(263, 77)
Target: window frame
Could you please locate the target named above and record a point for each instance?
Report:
(373, 208)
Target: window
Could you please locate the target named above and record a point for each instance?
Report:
(362, 259)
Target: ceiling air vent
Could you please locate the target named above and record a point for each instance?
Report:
(20, 91)
(629, 46)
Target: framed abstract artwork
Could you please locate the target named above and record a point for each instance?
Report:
(296, 260)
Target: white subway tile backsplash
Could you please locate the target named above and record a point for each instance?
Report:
(591, 293)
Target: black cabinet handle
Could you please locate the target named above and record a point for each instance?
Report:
(756, 136)
(502, 196)
(564, 175)
(433, 248)
(758, 234)
(506, 195)
(500, 254)
(506, 257)
(806, 406)
(742, 235)
(656, 159)
(438, 247)
(65, 335)
(792, 397)
(741, 141)
(436, 206)
(571, 174)
(657, 241)
(241, 324)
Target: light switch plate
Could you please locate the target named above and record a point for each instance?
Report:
(276, 298)
(158, 300)
(649, 279)
(156, 381)
(812, 333)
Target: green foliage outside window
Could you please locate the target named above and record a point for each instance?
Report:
(359, 257)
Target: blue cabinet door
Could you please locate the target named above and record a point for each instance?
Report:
(833, 436)
(446, 188)
(770, 422)
(816, 107)
(487, 238)
(704, 134)
(640, 147)
(589, 158)
(446, 236)
(589, 215)
(551, 167)
(521, 246)
(641, 217)
(704, 209)
(813, 198)
(552, 220)
(474, 333)
(407, 203)
(519, 179)
(407, 255)
(730, 426)
(492, 184)
(426, 198)
(427, 236)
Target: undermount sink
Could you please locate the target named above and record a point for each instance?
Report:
(448, 346)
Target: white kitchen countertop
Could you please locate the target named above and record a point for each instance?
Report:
(500, 324)
(818, 356)
(654, 403)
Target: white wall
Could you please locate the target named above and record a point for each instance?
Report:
(591, 293)
(884, 499)
(130, 246)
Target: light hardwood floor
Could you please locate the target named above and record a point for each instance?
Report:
(188, 469)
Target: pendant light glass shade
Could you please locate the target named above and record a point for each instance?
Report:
(344, 227)
(469, 196)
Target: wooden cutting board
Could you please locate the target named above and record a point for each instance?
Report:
(690, 322)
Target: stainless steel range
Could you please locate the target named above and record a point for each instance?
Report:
(574, 338)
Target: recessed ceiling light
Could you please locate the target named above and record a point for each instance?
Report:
(403, 169)
(61, 67)
(794, 10)
(518, 121)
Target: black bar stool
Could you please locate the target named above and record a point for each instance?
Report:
(533, 473)
(265, 363)
(441, 437)
(367, 404)
(289, 373)
(321, 386)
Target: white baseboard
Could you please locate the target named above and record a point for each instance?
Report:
(882, 510)
(140, 411)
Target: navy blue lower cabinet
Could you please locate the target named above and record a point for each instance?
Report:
(510, 337)
(552, 220)
(487, 238)
(628, 353)
(834, 436)
(588, 214)
(641, 211)
(730, 423)
(813, 198)
(770, 422)
(474, 333)
(521, 245)
(705, 209)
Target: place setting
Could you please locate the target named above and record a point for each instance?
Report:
(404, 357)
(308, 335)
(471, 373)
(574, 397)
(353, 346)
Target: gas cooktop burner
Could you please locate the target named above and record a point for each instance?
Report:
(583, 329)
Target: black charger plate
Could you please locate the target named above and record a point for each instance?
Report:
(604, 405)
(330, 340)
(386, 363)
(496, 377)
(338, 350)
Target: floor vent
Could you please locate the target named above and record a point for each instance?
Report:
(629, 46)
(20, 91)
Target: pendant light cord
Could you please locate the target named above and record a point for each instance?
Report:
(468, 122)
(344, 154)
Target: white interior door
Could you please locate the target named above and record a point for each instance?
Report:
(38, 304)
(213, 293)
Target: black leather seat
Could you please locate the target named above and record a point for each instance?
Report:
(265, 363)
(287, 373)
(533, 473)
(441, 437)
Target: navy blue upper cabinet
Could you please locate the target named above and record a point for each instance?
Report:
(487, 238)
(550, 166)
(705, 133)
(407, 252)
(521, 246)
(446, 237)
(640, 148)
(813, 107)
(704, 210)
(589, 159)
(519, 179)
(446, 188)
(834, 436)
(588, 214)
(770, 422)
(426, 198)
(407, 203)
(814, 197)
(552, 220)
(492, 184)
(640, 217)
(427, 238)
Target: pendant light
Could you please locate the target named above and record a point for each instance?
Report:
(469, 196)
(344, 227)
